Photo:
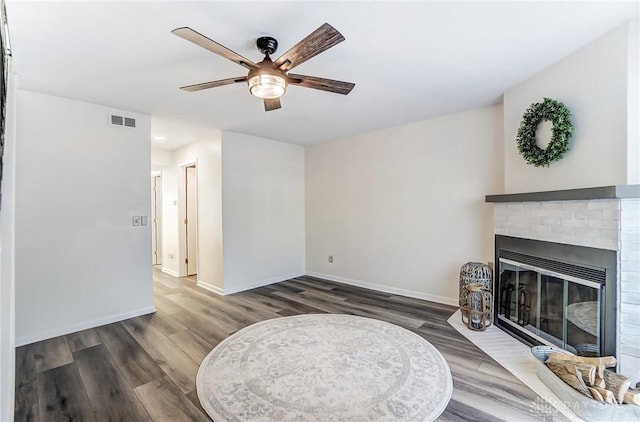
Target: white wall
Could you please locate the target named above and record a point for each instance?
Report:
(79, 181)
(263, 207)
(207, 156)
(7, 260)
(593, 83)
(161, 158)
(402, 209)
(633, 104)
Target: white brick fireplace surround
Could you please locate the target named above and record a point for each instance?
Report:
(603, 217)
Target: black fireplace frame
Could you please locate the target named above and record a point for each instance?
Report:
(582, 256)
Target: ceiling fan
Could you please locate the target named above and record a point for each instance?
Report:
(269, 79)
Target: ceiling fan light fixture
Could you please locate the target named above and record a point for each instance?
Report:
(268, 80)
(267, 86)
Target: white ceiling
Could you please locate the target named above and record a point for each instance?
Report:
(410, 61)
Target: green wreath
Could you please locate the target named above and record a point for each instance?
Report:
(560, 116)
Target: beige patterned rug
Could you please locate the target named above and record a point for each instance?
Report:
(324, 368)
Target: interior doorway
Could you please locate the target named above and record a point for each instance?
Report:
(191, 220)
(156, 218)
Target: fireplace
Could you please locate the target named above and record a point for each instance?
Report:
(556, 294)
(567, 253)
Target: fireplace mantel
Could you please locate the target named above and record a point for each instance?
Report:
(581, 194)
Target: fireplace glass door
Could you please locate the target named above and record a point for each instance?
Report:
(551, 308)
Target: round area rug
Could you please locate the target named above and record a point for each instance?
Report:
(324, 368)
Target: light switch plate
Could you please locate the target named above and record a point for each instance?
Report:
(135, 221)
(143, 220)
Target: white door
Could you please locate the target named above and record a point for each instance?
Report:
(191, 221)
(156, 215)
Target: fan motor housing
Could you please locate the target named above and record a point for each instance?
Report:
(267, 45)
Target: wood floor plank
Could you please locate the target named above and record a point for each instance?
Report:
(458, 411)
(278, 287)
(193, 398)
(495, 405)
(382, 314)
(161, 290)
(317, 289)
(192, 344)
(360, 292)
(419, 303)
(164, 322)
(166, 305)
(167, 281)
(310, 302)
(227, 309)
(133, 361)
(174, 362)
(111, 397)
(26, 393)
(281, 303)
(322, 294)
(399, 308)
(249, 307)
(249, 300)
(165, 402)
(310, 282)
(289, 312)
(52, 353)
(83, 339)
(206, 311)
(208, 329)
(62, 396)
(352, 308)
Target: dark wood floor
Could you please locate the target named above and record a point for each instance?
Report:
(145, 368)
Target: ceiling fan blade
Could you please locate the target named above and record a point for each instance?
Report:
(271, 104)
(331, 85)
(213, 84)
(204, 42)
(315, 43)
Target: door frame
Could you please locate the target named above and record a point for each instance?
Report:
(156, 217)
(182, 215)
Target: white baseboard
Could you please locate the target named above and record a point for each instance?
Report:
(170, 272)
(386, 289)
(60, 331)
(261, 283)
(215, 289)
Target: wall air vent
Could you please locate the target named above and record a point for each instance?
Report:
(115, 120)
